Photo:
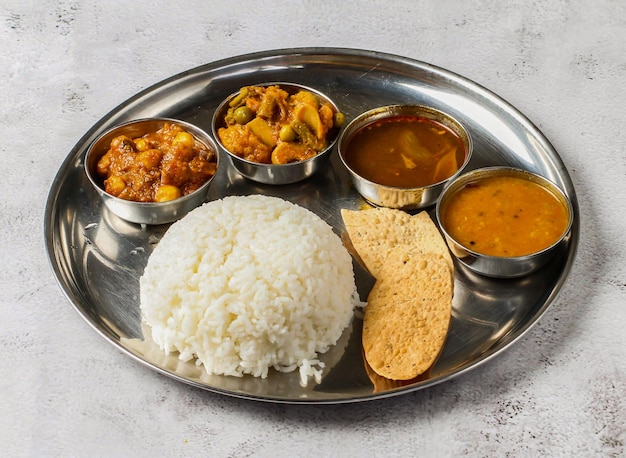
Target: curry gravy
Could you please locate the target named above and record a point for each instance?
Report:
(405, 152)
(505, 216)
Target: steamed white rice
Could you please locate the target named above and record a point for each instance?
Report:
(245, 284)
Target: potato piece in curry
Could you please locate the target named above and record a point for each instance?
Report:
(269, 125)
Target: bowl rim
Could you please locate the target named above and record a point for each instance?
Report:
(220, 109)
(388, 111)
(505, 170)
(195, 130)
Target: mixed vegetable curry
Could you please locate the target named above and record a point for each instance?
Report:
(271, 126)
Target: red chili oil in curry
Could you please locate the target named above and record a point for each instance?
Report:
(505, 216)
(405, 152)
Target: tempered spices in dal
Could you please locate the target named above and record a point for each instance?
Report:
(505, 216)
(406, 152)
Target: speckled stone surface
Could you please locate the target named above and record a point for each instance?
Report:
(559, 391)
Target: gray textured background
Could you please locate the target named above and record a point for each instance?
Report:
(560, 391)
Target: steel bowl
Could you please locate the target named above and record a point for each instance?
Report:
(145, 212)
(501, 266)
(276, 174)
(401, 197)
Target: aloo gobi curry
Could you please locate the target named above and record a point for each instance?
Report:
(156, 167)
(269, 125)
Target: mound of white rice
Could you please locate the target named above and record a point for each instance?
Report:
(245, 284)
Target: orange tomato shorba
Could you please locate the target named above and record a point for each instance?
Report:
(505, 216)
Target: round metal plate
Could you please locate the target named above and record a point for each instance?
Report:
(98, 258)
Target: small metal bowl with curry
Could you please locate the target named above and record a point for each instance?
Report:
(277, 133)
(503, 222)
(401, 156)
(152, 171)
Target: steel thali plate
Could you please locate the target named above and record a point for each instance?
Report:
(98, 258)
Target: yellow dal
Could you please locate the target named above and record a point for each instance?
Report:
(505, 216)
